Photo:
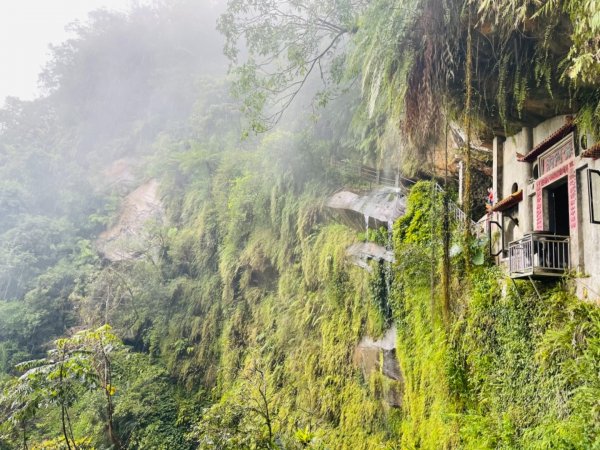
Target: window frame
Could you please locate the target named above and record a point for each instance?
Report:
(594, 215)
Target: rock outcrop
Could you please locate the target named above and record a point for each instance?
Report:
(377, 208)
(130, 237)
(363, 252)
(378, 357)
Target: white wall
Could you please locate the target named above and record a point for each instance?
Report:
(515, 171)
(585, 240)
(588, 266)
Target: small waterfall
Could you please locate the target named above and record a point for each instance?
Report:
(388, 269)
(390, 232)
(367, 226)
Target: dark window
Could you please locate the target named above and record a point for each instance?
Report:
(594, 195)
(583, 141)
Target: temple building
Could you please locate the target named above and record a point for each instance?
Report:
(547, 219)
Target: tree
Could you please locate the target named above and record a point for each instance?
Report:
(79, 362)
(18, 408)
(98, 345)
(246, 420)
(284, 44)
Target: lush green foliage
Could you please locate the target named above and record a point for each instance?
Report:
(287, 46)
(530, 364)
(515, 370)
(411, 57)
(241, 316)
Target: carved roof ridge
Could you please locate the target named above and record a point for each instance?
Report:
(592, 152)
(547, 143)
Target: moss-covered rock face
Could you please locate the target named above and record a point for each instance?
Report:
(275, 334)
(376, 358)
(254, 326)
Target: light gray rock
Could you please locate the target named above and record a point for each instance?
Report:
(379, 356)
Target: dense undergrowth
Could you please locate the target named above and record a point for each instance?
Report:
(512, 370)
(272, 309)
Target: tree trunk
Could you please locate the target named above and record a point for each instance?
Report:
(467, 191)
(62, 405)
(24, 436)
(64, 426)
(107, 376)
(446, 241)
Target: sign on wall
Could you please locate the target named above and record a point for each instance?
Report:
(560, 154)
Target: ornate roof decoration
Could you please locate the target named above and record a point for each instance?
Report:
(509, 201)
(592, 152)
(547, 143)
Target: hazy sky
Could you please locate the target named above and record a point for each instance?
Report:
(26, 29)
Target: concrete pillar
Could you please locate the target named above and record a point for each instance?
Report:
(527, 133)
(497, 167)
(526, 207)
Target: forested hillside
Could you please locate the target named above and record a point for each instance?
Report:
(170, 274)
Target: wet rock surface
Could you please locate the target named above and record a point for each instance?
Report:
(363, 252)
(379, 357)
(377, 208)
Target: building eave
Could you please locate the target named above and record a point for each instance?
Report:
(508, 202)
(547, 143)
(592, 152)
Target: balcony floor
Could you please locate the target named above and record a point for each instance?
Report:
(539, 255)
(538, 274)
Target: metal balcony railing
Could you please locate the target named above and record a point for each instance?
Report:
(539, 254)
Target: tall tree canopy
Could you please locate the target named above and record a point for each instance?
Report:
(281, 45)
(411, 57)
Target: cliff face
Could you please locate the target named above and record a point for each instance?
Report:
(378, 357)
(248, 317)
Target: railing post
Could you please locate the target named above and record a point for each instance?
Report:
(539, 254)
